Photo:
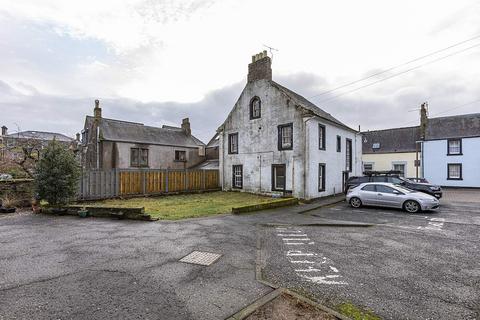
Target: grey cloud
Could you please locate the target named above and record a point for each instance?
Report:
(383, 107)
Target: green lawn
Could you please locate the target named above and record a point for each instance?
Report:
(177, 207)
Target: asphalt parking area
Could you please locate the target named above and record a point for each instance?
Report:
(406, 266)
(422, 266)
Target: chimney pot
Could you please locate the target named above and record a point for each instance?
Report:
(260, 68)
(97, 111)
(4, 130)
(186, 126)
(423, 120)
(78, 137)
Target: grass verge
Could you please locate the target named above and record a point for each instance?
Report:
(177, 207)
(355, 313)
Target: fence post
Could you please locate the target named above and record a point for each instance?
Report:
(185, 180)
(117, 182)
(144, 184)
(166, 180)
(204, 178)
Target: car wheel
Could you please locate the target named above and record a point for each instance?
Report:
(356, 202)
(411, 206)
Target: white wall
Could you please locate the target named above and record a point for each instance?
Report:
(335, 162)
(436, 160)
(258, 141)
(258, 146)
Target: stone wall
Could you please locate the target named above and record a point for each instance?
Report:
(21, 189)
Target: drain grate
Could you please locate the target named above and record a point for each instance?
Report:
(201, 258)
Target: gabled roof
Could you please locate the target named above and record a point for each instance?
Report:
(298, 99)
(390, 140)
(40, 135)
(214, 142)
(461, 126)
(124, 131)
(207, 165)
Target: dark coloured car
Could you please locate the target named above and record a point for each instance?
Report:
(395, 178)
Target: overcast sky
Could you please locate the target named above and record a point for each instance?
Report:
(158, 61)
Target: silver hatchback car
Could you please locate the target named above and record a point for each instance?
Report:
(390, 195)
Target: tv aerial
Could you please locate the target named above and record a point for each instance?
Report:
(271, 50)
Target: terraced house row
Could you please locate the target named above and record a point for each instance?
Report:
(443, 150)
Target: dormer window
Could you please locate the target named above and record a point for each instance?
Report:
(255, 108)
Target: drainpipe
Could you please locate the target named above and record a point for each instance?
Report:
(260, 170)
(223, 160)
(98, 147)
(305, 156)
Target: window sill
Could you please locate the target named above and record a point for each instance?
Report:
(233, 187)
(323, 149)
(454, 178)
(283, 149)
(454, 154)
(179, 160)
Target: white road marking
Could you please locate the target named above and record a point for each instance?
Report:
(309, 269)
(435, 224)
(320, 273)
(333, 269)
(299, 253)
(324, 279)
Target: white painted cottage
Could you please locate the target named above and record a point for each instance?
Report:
(276, 141)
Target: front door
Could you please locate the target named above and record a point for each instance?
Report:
(278, 177)
(344, 181)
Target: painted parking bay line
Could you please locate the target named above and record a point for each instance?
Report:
(308, 264)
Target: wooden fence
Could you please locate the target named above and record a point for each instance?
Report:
(104, 184)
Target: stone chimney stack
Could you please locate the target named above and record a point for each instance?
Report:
(4, 131)
(78, 137)
(260, 68)
(423, 120)
(97, 111)
(186, 126)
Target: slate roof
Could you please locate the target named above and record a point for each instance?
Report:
(391, 140)
(214, 142)
(310, 106)
(208, 165)
(134, 132)
(461, 126)
(40, 135)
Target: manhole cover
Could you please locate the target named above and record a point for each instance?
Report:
(201, 258)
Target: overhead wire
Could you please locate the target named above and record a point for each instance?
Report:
(398, 66)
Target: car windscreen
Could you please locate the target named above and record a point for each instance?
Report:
(404, 190)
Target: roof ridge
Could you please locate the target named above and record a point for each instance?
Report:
(122, 121)
(457, 115)
(390, 129)
(298, 96)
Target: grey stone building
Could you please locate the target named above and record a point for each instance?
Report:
(276, 141)
(108, 143)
